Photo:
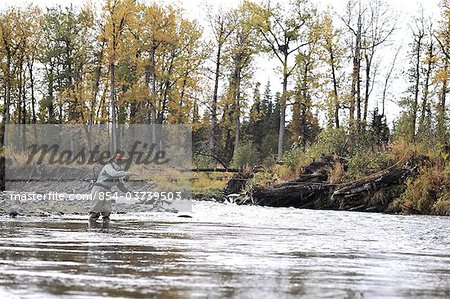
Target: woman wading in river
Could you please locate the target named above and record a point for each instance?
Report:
(110, 176)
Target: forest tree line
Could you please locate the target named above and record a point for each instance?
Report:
(147, 63)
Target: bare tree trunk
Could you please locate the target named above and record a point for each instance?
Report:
(228, 119)
(102, 112)
(166, 86)
(215, 98)
(357, 69)
(426, 86)
(441, 107)
(335, 90)
(72, 101)
(19, 108)
(51, 108)
(304, 107)
(416, 88)
(24, 109)
(283, 111)
(222, 26)
(8, 86)
(237, 115)
(33, 99)
(368, 60)
(355, 97)
(98, 73)
(182, 94)
(112, 99)
(153, 89)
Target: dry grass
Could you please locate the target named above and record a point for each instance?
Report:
(337, 173)
(379, 197)
(208, 185)
(283, 173)
(429, 192)
(402, 151)
(442, 208)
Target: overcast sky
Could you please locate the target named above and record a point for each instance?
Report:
(195, 9)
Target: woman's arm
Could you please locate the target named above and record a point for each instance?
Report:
(122, 187)
(111, 172)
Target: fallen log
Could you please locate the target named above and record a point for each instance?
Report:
(372, 194)
(313, 177)
(295, 194)
(237, 183)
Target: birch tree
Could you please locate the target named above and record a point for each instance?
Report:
(284, 31)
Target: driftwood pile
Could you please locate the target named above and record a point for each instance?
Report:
(371, 195)
(237, 182)
(313, 190)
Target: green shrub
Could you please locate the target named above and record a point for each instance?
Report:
(247, 155)
(269, 145)
(202, 161)
(296, 158)
(332, 141)
(365, 163)
(269, 162)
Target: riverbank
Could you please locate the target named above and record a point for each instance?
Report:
(417, 185)
(412, 184)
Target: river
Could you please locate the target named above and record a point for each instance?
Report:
(227, 251)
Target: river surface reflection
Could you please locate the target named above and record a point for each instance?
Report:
(227, 251)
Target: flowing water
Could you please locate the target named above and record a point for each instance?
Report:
(227, 251)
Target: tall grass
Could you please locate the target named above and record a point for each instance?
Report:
(428, 193)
